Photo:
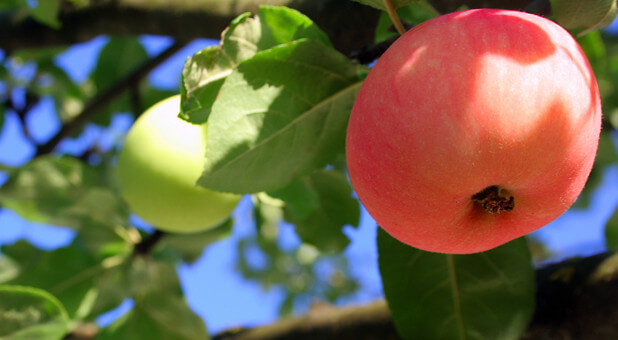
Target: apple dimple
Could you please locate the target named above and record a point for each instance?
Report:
(472, 129)
(494, 200)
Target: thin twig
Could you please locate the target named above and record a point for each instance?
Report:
(148, 243)
(103, 98)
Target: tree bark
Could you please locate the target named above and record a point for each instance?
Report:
(349, 24)
(576, 299)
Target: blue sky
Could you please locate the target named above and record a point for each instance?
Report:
(213, 289)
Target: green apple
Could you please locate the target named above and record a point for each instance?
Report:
(158, 166)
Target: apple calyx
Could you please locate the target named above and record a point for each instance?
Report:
(494, 200)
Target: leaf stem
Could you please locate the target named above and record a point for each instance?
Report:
(146, 245)
(392, 13)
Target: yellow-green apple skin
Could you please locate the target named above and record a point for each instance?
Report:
(473, 129)
(160, 161)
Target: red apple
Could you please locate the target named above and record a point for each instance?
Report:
(473, 129)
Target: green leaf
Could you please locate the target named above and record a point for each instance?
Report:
(147, 275)
(611, 232)
(267, 213)
(300, 198)
(594, 47)
(38, 55)
(280, 115)
(102, 240)
(606, 155)
(117, 59)
(379, 4)
(14, 5)
(68, 96)
(157, 316)
(204, 73)
(412, 14)
(487, 295)
(111, 288)
(335, 208)
(31, 313)
(587, 16)
(190, 247)
(46, 12)
(68, 273)
(62, 191)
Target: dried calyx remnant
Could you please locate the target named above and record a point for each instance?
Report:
(494, 200)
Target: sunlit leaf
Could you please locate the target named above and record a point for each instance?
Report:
(204, 73)
(488, 295)
(588, 16)
(31, 313)
(280, 115)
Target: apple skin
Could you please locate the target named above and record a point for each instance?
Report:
(158, 166)
(468, 101)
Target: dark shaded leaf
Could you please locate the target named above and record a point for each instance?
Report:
(300, 198)
(190, 247)
(117, 59)
(46, 12)
(157, 316)
(68, 273)
(62, 191)
(611, 232)
(487, 295)
(335, 208)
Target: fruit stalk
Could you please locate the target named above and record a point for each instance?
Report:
(392, 13)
